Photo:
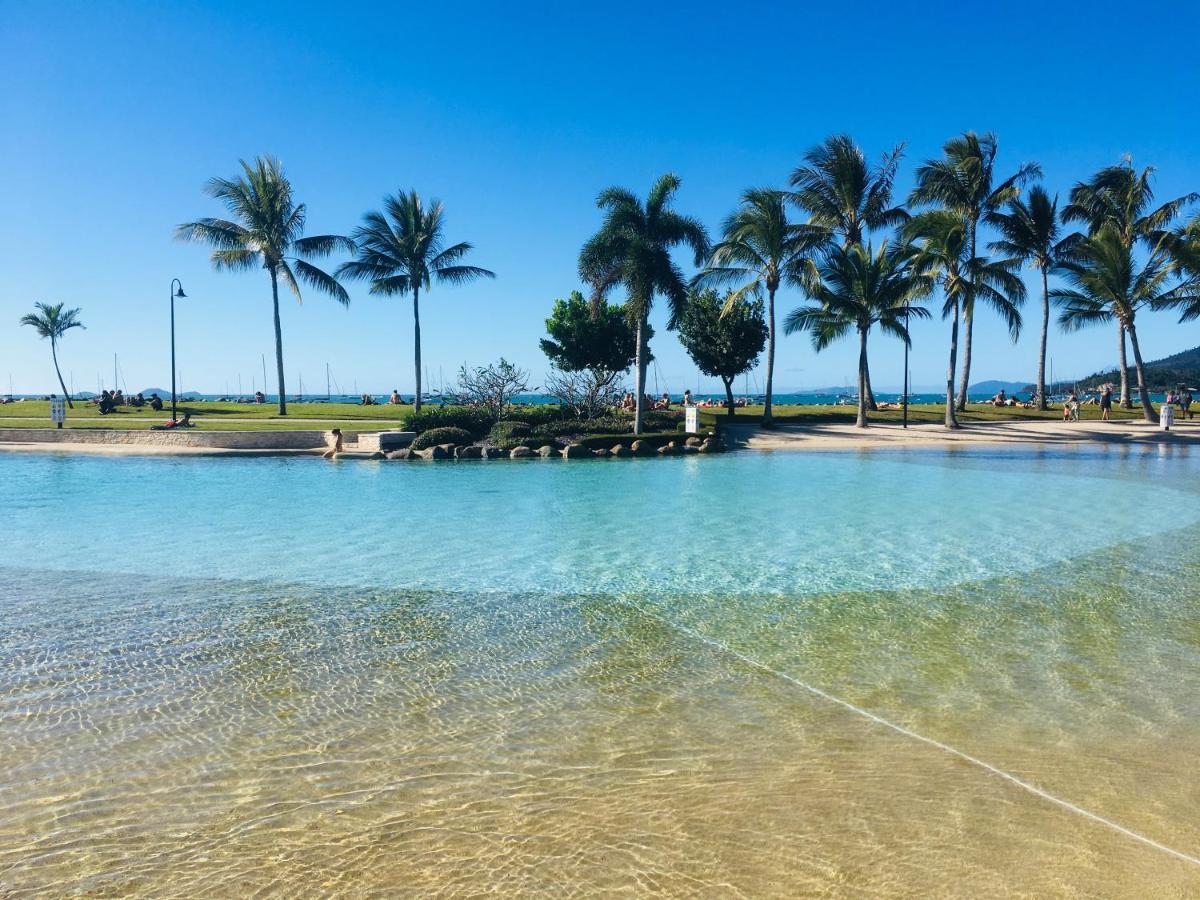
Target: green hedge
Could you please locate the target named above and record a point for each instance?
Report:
(470, 419)
(435, 436)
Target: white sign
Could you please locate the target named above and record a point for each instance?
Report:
(58, 410)
(691, 418)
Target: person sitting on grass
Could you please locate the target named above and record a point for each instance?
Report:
(1000, 399)
(156, 402)
(1071, 408)
(664, 402)
(185, 422)
(394, 400)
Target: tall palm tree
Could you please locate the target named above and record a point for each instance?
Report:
(858, 289)
(943, 254)
(1106, 284)
(265, 230)
(964, 181)
(762, 250)
(1031, 233)
(846, 197)
(633, 249)
(402, 250)
(1124, 197)
(51, 321)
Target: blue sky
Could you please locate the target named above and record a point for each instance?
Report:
(516, 116)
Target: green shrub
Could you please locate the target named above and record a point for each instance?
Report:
(541, 414)
(471, 419)
(506, 431)
(435, 436)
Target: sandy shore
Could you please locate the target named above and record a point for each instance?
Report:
(68, 447)
(976, 434)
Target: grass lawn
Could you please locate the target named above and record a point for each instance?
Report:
(213, 416)
(928, 412)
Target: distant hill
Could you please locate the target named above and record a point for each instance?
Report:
(992, 388)
(1161, 374)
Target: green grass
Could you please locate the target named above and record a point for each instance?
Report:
(266, 412)
(917, 414)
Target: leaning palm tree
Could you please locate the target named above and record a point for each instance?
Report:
(1124, 198)
(846, 197)
(963, 181)
(633, 249)
(762, 250)
(1106, 285)
(1031, 233)
(265, 230)
(858, 289)
(401, 250)
(52, 321)
(943, 254)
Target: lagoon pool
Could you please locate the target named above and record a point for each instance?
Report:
(752, 674)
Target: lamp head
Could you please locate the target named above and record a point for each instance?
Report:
(179, 294)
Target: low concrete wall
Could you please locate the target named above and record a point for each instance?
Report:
(191, 437)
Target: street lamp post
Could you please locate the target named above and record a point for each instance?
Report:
(180, 294)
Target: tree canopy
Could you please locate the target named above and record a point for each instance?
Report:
(723, 340)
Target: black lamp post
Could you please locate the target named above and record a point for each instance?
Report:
(908, 335)
(180, 294)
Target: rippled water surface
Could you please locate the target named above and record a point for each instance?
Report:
(563, 679)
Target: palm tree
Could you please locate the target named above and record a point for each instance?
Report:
(943, 254)
(762, 250)
(963, 181)
(402, 250)
(266, 229)
(1030, 232)
(52, 321)
(858, 289)
(1106, 284)
(845, 196)
(1123, 197)
(633, 249)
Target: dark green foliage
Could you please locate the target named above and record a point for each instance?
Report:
(503, 432)
(435, 436)
(475, 421)
(723, 340)
(590, 336)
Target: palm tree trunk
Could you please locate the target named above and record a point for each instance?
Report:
(58, 372)
(1147, 408)
(278, 344)
(871, 404)
(968, 316)
(861, 422)
(417, 347)
(728, 395)
(766, 419)
(967, 321)
(640, 379)
(951, 420)
(1126, 401)
(1041, 378)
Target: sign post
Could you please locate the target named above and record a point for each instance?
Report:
(58, 410)
(691, 419)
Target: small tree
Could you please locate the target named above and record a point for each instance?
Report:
(52, 321)
(492, 386)
(723, 339)
(590, 346)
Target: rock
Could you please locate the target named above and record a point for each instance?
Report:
(693, 441)
(576, 451)
(469, 452)
(521, 452)
(621, 450)
(402, 454)
(494, 453)
(667, 449)
(602, 452)
(545, 451)
(641, 448)
(378, 454)
(439, 452)
(688, 448)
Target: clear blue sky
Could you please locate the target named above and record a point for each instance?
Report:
(115, 114)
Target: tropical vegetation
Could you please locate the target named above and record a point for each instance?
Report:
(51, 322)
(266, 230)
(724, 336)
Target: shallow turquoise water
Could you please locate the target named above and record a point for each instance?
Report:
(295, 676)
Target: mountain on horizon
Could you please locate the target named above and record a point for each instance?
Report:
(993, 387)
(1161, 374)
